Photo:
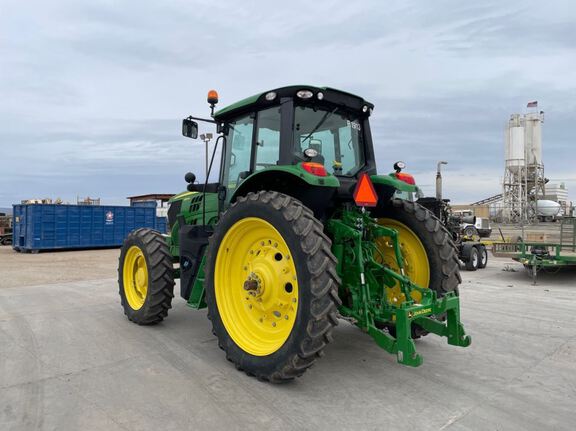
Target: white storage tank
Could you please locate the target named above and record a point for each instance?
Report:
(515, 145)
(533, 137)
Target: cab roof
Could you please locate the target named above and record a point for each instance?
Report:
(259, 101)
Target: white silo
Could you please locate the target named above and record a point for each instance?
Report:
(523, 182)
(533, 137)
(514, 147)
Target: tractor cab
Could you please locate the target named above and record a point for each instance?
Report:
(312, 141)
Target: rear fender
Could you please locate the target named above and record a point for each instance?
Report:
(386, 186)
(317, 193)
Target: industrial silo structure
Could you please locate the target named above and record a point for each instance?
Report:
(523, 183)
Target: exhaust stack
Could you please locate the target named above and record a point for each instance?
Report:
(439, 180)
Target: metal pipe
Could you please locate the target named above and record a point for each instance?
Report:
(439, 179)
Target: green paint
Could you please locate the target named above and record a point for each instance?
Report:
(354, 235)
(364, 282)
(392, 181)
(196, 299)
(244, 103)
(192, 211)
(297, 170)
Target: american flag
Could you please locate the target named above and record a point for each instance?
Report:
(533, 104)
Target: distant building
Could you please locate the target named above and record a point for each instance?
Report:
(159, 199)
(559, 193)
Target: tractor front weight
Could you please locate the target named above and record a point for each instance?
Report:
(367, 279)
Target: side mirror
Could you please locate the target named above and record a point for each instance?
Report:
(190, 177)
(189, 128)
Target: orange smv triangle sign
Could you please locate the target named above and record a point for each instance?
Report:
(365, 195)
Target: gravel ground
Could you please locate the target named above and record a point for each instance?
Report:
(70, 360)
(21, 269)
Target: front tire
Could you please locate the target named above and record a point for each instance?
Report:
(271, 286)
(145, 277)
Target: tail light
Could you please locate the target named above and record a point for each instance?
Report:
(317, 169)
(407, 178)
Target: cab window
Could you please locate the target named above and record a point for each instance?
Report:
(238, 153)
(335, 134)
(267, 138)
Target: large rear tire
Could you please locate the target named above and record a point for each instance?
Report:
(145, 277)
(430, 255)
(271, 286)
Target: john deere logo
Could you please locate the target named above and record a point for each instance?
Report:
(109, 217)
(422, 311)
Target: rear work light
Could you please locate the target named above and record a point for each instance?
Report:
(317, 169)
(407, 178)
(304, 94)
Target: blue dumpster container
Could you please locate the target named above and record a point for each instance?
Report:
(51, 227)
(162, 224)
(147, 204)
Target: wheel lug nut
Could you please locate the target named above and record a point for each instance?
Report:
(273, 323)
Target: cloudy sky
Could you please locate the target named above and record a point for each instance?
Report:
(92, 92)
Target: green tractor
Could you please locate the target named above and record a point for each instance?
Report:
(299, 232)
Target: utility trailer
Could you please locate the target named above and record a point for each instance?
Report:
(543, 256)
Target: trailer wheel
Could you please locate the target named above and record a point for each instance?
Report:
(145, 277)
(473, 260)
(482, 256)
(470, 231)
(271, 286)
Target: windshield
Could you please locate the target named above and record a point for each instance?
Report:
(335, 134)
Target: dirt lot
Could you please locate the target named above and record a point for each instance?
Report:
(21, 269)
(70, 360)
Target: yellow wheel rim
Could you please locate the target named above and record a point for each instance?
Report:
(256, 286)
(416, 263)
(135, 277)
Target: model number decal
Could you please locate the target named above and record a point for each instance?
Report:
(354, 124)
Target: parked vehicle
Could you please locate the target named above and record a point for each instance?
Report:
(480, 228)
(298, 231)
(463, 227)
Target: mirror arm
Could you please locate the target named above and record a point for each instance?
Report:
(190, 117)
